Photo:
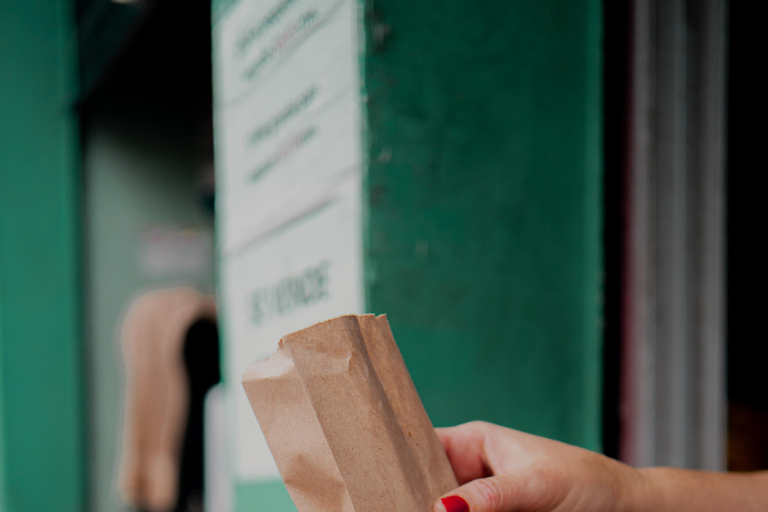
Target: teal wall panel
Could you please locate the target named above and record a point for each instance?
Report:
(483, 220)
(3, 490)
(266, 496)
(40, 379)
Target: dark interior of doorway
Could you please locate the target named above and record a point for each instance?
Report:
(616, 37)
(149, 62)
(747, 368)
(151, 58)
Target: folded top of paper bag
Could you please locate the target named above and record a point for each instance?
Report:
(344, 421)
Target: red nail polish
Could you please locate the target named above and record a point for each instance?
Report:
(455, 504)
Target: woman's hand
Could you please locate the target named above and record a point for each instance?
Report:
(503, 470)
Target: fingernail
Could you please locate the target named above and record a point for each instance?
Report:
(455, 504)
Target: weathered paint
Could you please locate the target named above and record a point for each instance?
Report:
(483, 221)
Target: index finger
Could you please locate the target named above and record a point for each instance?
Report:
(465, 446)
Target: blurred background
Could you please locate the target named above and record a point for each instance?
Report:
(549, 200)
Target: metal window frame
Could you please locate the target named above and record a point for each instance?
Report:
(674, 366)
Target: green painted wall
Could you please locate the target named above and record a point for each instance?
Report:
(3, 490)
(483, 222)
(42, 452)
(140, 171)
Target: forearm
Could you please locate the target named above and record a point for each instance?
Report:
(680, 490)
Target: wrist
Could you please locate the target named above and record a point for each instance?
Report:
(633, 488)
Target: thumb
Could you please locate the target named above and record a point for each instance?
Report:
(503, 493)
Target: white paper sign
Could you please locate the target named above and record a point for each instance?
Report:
(297, 276)
(287, 128)
(290, 130)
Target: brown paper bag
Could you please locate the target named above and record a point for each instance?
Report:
(344, 422)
